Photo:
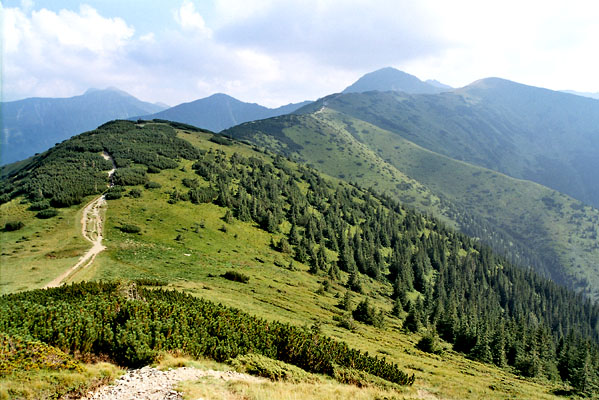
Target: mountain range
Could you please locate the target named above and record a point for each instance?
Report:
(33, 125)
(213, 248)
(324, 239)
(220, 111)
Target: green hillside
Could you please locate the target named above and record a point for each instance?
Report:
(530, 223)
(221, 221)
(530, 133)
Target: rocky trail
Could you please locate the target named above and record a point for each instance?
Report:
(91, 229)
(150, 383)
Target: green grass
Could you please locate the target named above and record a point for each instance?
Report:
(41, 250)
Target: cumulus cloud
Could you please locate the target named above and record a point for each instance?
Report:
(191, 20)
(273, 52)
(46, 52)
(62, 53)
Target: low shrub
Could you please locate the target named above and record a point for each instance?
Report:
(368, 314)
(255, 364)
(113, 193)
(129, 228)
(20, 354)
(39, 205)
(345, 321)
(351, 376)
(47, 213)
(134, 193)
(11, 226)
(236, 276)
(430, 344)
(153, 185)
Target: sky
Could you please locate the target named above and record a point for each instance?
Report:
(274, 52)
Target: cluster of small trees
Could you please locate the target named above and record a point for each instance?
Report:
(74, 169)
(130, 325)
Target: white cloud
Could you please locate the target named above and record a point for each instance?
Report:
(191, 20)
(274, 52)
(48, 53)
(352, 35)
(538, 42)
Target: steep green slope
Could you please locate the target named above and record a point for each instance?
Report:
(311, 250)
(516, 217)
(530, 133)
(322, 144)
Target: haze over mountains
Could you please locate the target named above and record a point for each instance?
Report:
(386, 79)
(220, 111)
(33, 125)
(583, 94)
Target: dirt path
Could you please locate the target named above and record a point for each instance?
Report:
(152, 384)
(91, 229)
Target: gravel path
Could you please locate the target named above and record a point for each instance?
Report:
(91, 229)
(150, 383)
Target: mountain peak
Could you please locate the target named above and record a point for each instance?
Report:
(220, 111)
(389, 78)
(108, 90)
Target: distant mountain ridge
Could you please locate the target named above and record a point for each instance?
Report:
(34, 125)
(387, 79)
(526, 132)
(583, 94)
(220, 111)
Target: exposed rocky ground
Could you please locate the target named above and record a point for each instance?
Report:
(150, 383)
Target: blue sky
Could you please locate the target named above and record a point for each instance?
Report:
(278, 51)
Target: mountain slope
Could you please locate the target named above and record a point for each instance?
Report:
(389, 78)
(529, 133)
(516, 217)
(279, 241)
(33, 125)
(220, 111)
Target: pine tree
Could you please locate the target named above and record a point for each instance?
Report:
(412, 321)
(353, 281)
(346, 303)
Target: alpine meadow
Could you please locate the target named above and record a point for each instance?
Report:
(397, 239)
